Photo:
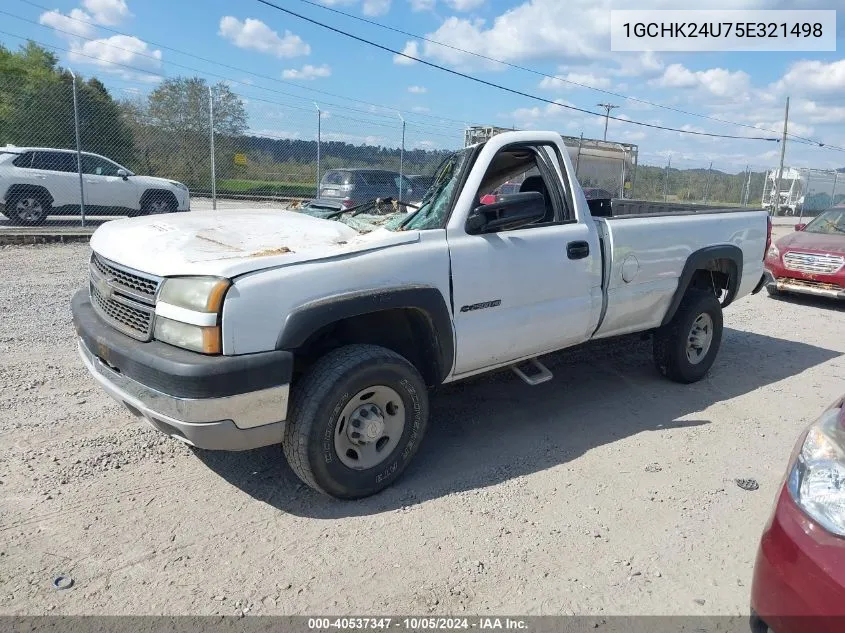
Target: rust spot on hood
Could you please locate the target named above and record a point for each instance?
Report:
(271, 251)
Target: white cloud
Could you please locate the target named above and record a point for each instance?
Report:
(718, 82)
(425, 144)
(420, 109)
(412, 48)
(76, 23)
(254, 34)
(111, 53)
(417, 90)
(813, 76)
(375, 7)
(817, 113)
(568, 80)
(308, 72)
(464, 5)
(108, 12)
(527, 117)
(422, 5)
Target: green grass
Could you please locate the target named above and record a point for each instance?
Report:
(266, 188)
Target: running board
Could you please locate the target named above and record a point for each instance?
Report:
(540, 374)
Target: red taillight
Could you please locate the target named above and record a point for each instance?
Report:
(347, 203)
(768, 235)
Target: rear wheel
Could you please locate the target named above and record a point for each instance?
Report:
(357, 419)
(686, 347)
(29, 209)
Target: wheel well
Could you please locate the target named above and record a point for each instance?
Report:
(407, 331)
(16, 190)
(158, 193)
(718, 275)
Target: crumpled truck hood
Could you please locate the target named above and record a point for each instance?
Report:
(231, 243)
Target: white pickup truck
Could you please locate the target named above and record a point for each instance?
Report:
(232, 331)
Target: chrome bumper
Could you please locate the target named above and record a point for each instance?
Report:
(786, 284)
(231, 423)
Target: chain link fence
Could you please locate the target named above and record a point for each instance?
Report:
(74, 155)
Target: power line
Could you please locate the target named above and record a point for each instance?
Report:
(196, 70)
(419, 126)
(216, 63)
(542, 74)
(500, 86)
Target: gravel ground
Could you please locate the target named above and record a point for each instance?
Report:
(605, 491)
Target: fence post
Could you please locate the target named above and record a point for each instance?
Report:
(78, 150)
(578, 155)
(319, 131)
(402, 159)
(213, 166)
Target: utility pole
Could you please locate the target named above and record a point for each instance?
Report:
(707, 183)
(776, 205)
(666, 178)
(578, 155)
(608, 107)
(78, 150)
(211, 132)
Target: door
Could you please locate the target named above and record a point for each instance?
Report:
(104, 188)
(523, 292)
(57, 172)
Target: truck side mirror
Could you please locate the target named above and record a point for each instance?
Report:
(123, 174)
(801, 226)
(518, 210)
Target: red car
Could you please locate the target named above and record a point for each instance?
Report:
(811, 260)
(799, 575)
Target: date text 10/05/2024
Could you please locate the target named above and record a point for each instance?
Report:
(416, 623)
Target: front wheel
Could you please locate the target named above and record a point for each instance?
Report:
(686, 347)
(357, 419)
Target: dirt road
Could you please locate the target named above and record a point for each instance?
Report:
(605, 491)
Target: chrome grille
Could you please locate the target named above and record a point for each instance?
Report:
(813, 263)
(133, 283)
(123, 298)
(131, 320)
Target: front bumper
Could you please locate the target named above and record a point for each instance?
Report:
(805, 287)
(799, 574)
(213, 402)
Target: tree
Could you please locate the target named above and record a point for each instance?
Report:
(179, 107)
(36, 106)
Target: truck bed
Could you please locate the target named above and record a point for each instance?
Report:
(645, 254)
(619, 208)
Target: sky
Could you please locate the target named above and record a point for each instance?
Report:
(284, 68)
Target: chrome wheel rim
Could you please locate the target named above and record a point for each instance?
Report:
(369, 427)
(700, 338)
(29, 209)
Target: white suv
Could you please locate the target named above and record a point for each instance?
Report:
(36, 182)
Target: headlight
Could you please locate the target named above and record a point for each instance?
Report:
(773, 253)
(202, 294)
(188, 313)
(817, 479)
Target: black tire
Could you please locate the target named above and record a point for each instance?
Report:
(671, 340)
(156, 202)
(774, 292)
(320, 398)
(19, 217)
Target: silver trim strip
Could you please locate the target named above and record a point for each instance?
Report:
(184, 315)
(247, 411)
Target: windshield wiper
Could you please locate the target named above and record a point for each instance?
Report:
(375, 202)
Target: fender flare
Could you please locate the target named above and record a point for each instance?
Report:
(304, 321)
(698, 261)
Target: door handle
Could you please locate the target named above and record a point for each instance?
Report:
(577, 250)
